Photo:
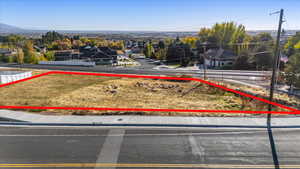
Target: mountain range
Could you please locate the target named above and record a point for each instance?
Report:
(8, 29)
(4, 28)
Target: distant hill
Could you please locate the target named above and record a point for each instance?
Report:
(8, 29)
(4, 28)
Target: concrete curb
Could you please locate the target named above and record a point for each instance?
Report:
(25, 118)
(131, 125)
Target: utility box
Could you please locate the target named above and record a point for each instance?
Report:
(11, 76)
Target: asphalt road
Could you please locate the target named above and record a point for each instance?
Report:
(146, 69)
(110, 148)
(145, 64)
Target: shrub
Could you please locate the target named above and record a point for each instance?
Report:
(8, 59)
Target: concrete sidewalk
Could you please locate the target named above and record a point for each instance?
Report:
(148, 120)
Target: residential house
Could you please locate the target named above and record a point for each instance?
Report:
(87, 52)
(105, 55)
(61, 55)
(108, 51)
(101, 55)
(218, 58)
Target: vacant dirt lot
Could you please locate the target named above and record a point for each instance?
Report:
(97, 91)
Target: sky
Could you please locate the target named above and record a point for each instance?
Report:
(146, 15)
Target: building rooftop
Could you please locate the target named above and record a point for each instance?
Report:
(220, 54)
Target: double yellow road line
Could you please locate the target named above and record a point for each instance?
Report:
(122, 165)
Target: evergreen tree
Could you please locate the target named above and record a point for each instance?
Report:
(50, 37)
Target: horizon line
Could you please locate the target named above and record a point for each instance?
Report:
(113, 30)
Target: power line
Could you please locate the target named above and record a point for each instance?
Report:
(286, 23)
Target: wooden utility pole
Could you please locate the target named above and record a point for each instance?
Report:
(275, 62)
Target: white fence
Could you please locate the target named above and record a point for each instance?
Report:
(125, 63)
(11, 76)
(68, 63)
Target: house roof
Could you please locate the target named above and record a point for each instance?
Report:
(87, 47)
(220, 54)
(65, 52)
(108, 51)
(101, 54)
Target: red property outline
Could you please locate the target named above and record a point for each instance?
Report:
(291, 110)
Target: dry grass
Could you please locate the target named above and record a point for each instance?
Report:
(96, 91)
(291, 101)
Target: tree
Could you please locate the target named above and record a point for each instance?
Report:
(297, 46)
(20, 56)
(76, 37)
(205, 34)
(14, 40)
(161, 45)
(7, 59)
(77, 44)
(149, 50)
(242, 61)
(262, 57)
(292, 44)
(226, 35)
(161, 54)
(168, 41)
(64, 44)
(263, 37)
(29, 53)
(237, 39)
(10, 59)
(171, 55)
(190, 41)
(179, 52)
(50, 55)
(50, 37)
(2, 58)
(40, 57)
(185, 60)
(117, 45)
(292, 70)
(85, 41)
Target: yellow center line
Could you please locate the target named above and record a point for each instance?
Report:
(124, 165)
